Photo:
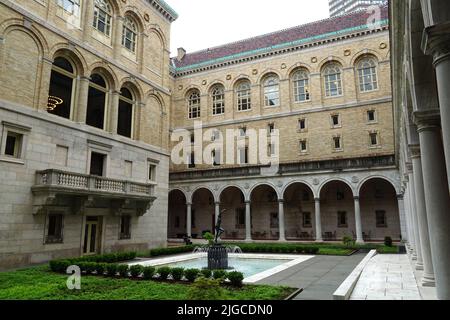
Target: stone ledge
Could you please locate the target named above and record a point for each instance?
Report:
(346, 288)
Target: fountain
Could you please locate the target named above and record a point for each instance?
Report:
(217, 253)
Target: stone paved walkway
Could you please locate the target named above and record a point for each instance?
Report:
(387, 277)
(319, 277)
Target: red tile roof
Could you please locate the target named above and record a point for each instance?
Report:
(347, 21)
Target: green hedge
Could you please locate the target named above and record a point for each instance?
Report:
(278, 248)
(173, 250)
(87, 263)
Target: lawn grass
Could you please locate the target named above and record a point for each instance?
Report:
(39, 283)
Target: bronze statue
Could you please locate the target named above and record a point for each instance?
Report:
(219, 229)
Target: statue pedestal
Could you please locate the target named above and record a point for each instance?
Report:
(217, 257)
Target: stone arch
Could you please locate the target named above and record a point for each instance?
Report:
(241, 77)
(330, 59)
(107, 72)
(177, 213)
(267, 73)
(231, 186)
(12, 24)
(133, 12)
(180, 190)
(192, 193)
(133, 86)
(232, 206)
(298, 66)
(152, 117)
(364, 53)
(154, 28)
(264, 204)
(367, 179)
(313, 191)
(323, 184)
(67, 51)
(264, 184)
(190, 88)
(215, 83)
(203, 211)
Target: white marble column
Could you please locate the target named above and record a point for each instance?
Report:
(428, 273)
(358, 224)
(418, 246)
(281, 220)
(189, 219)
(437, 198)
(248, 222)
(402, 214)
(436, 42)
(318, 220)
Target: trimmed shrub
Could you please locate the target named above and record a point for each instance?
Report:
(163, 272)
(177, 273)
(348, 241)
(191, 274)
(205, 289)
(148, 272)
(236, 278)
(136, 270)
(101, 268)
(219, 274)
(206, 273)
(168, 251)
(59, 265)
(388, 241)
(111, 269)
(123, 270)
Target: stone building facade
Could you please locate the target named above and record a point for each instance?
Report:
(420, 36)
(85, 92)
(324, 89)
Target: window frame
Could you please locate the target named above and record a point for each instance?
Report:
(271, 86)
(306, 216)
(48, 240)
(332, 69)
(244, 92)
(133, 104)
(194, 104)
(379, 225)
(300, 85)
(339, 224)
(218, 100)
(72, 75)
(105, 90)
(18, 130)
(126, 234)
(108, 16)
(130, 27)
(372, 66)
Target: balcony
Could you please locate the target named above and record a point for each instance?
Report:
(289, 168)
(57, 190)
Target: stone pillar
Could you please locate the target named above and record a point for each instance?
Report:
(436, 42)
(88, 19)
(189, 219)
(114, 112)
(46, 67)
(318, 220)
(248, 222)
(437, 199)
(401, 211)
(359, 236)
(117, 43)
(409, 219)
(137, 116)
(422, 222)
(418, 246)
(281, 220)
(83, 92)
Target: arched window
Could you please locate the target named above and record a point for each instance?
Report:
(300, 81)
(125, 117)
(367, 73)
(62, 88)
(96, 106)
(271, 91)
(194, 104)
(71, 6)
(129, 34)
(102, 17)
(218, 99)
(332, 80)
(243, 93)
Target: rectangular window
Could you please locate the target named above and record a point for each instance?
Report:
(13, 144)
(191, 160)
(381, 219)
(371, 117)
(54, 229)
(373, 139)
(243, 155)
(337, 143)
(97, 164)
(335, 121)
(307, 220)
(342, 219)
(271, 128)
(125, 227)
(240, 218)
(303, 146)
(274, 219)
(340, 195)
(152, 172)
(302, 124)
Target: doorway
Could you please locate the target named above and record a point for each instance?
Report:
(92, 235)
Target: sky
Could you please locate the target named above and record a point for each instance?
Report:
(204, 24)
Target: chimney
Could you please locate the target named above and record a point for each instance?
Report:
(181, 54)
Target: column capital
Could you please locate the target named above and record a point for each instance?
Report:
(280, 200)
(317, 199)
(414, 150)
(356, 198)
(400, 196)
(409, 169)
(189, 203)
(436, 42)
(217, 203)
(85, 78)
(248, 201)
(427, 120)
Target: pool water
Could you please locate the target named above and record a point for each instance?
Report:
(248, 267)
